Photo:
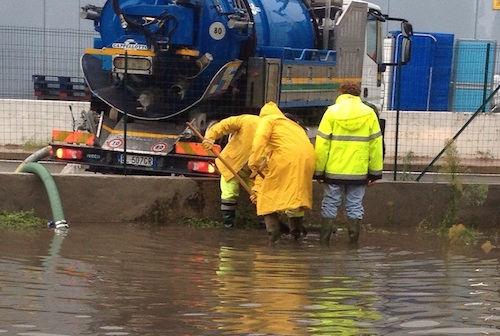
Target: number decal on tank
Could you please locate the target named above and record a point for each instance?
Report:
(217, 31)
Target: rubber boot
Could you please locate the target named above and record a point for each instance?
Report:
(262, 224)
(228, 217)
(272, 227)
(296, 228)
(284, 228)
(353, 227)
(327, 228)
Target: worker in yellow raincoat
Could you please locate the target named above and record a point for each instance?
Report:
(285, 156)
(235, 153)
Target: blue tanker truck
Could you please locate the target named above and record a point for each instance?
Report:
(158, 64)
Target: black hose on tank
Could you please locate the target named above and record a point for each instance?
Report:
(314, 20)
(124, 19)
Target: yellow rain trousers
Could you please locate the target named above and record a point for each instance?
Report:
(290, 158)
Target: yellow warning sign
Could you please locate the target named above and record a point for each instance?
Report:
(496, 4)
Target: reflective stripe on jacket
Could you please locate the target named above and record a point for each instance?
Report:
(349, 143)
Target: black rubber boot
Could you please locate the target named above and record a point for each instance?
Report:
(272, 227)
(228, 217)
(327, 228)
(296, 228)
(284, 228)
(354, 227)
(262, 224)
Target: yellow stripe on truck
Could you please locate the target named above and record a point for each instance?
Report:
(317, 80)
(116, 51)
(140, 134)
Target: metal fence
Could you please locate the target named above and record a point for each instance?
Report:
(29, 52)
(448, 84)
(32, 51)
(449, 91)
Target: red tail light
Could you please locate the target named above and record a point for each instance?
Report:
(68, 154)
(202, 167)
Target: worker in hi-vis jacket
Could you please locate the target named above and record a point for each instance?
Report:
(349, 157)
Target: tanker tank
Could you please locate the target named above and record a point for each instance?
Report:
(155, 59)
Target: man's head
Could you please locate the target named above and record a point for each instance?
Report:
(351, 88)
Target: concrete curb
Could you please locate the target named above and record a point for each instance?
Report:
(169, 200)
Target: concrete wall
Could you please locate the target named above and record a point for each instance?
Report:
(120, 199)
(423, 133)
(32, 121)
(426, 133)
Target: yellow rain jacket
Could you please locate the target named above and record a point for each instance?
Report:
(349, 143)
(238, 149)
(287, 184)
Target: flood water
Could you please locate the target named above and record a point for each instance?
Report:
(107, 279)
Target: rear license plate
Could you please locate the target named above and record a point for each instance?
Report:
(137, 160)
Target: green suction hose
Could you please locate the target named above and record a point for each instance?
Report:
(51, 188)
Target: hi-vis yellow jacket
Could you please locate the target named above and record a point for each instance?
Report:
(238, 149)
(349, 143)
(284, 145)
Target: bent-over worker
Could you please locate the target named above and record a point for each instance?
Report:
(235, 154)
(283, 151)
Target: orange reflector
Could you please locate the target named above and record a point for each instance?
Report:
(73, 137)
(195, 148)
(69, 154)
(188, 52)
(201, 167)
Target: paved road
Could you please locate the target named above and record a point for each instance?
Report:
(7, 166)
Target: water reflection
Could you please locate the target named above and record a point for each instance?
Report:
(127, 280)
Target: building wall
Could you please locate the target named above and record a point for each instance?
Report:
(26, 121)
(470, 19)
(467, 19)
(50, 14)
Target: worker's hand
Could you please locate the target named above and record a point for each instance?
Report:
(369, 183)
(207, 144)
(253, 197)
(253, 174)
